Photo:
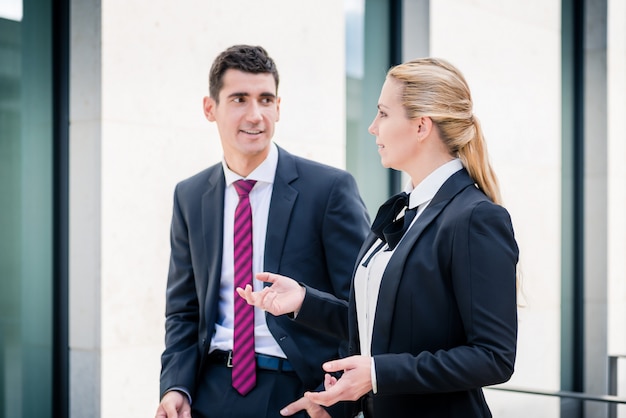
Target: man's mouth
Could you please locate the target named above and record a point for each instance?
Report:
(251, 132)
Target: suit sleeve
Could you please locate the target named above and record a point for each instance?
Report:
(345, 226)
(483, 275)
(324, 312)
(180, 358)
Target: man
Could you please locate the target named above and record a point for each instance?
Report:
(307, 222)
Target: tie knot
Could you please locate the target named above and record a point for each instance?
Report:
(386, 226)
(403, 200)
(243, 187)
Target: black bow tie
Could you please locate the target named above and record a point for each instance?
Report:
(385, 225)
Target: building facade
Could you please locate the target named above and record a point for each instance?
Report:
(100, 117)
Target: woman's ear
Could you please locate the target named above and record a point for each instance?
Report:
(424, 126)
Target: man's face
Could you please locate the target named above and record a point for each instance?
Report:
(245, 116)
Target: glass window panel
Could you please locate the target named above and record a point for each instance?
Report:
(26, 214)
(367, 61)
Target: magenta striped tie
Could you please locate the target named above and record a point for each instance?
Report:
(244, 366)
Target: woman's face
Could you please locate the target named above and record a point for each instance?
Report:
(396, 134)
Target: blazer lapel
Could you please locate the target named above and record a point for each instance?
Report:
(395, 269)
(213, 232)
(281, 206)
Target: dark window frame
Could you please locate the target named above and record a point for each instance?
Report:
(61, 63)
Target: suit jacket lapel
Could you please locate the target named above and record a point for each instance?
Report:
(281, 206)
(394, 271)
(213, 232)
(367, 244)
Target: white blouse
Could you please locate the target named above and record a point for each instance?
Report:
(368, 278)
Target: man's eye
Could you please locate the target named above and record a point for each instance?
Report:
(267, 100)
(238, 100)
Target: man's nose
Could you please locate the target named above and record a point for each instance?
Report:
(254, 112)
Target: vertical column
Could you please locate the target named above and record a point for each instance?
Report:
(415, 29)
(595, 204)
(415, 34)
(60, 255)
(616, 85)
(585, 210)
(572, 192)
(85, 208)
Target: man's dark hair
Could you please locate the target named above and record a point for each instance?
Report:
(246, 58)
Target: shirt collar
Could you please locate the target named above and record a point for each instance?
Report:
(265, 172)
(427, 188)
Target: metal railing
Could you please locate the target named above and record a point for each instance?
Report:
(613, 382)
(562, 394)
(611, 399)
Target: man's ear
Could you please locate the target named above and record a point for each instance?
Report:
(209, 105)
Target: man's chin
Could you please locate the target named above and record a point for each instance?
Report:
(258, 147)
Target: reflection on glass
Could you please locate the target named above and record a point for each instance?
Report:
(26, 209)
(367, 61)
(11, 10)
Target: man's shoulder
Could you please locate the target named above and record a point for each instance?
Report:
(201, 178)
(306, 166)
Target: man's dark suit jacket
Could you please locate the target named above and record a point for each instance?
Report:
(446, 319)
(317, 223)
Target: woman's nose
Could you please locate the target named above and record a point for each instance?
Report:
(372, 128)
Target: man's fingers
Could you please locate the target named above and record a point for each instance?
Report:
(242, 293)
(167, 410)
(160, 413)
(262, 299)
(266, 277)
(247, 294)
(174, 405)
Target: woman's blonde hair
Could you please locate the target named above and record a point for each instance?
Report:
(436, 89)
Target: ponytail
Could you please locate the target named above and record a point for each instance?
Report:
(475, 159)
(435, 88)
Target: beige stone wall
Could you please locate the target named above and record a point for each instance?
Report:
(510, 53)
(139, 72)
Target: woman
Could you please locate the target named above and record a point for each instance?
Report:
(431, 318)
